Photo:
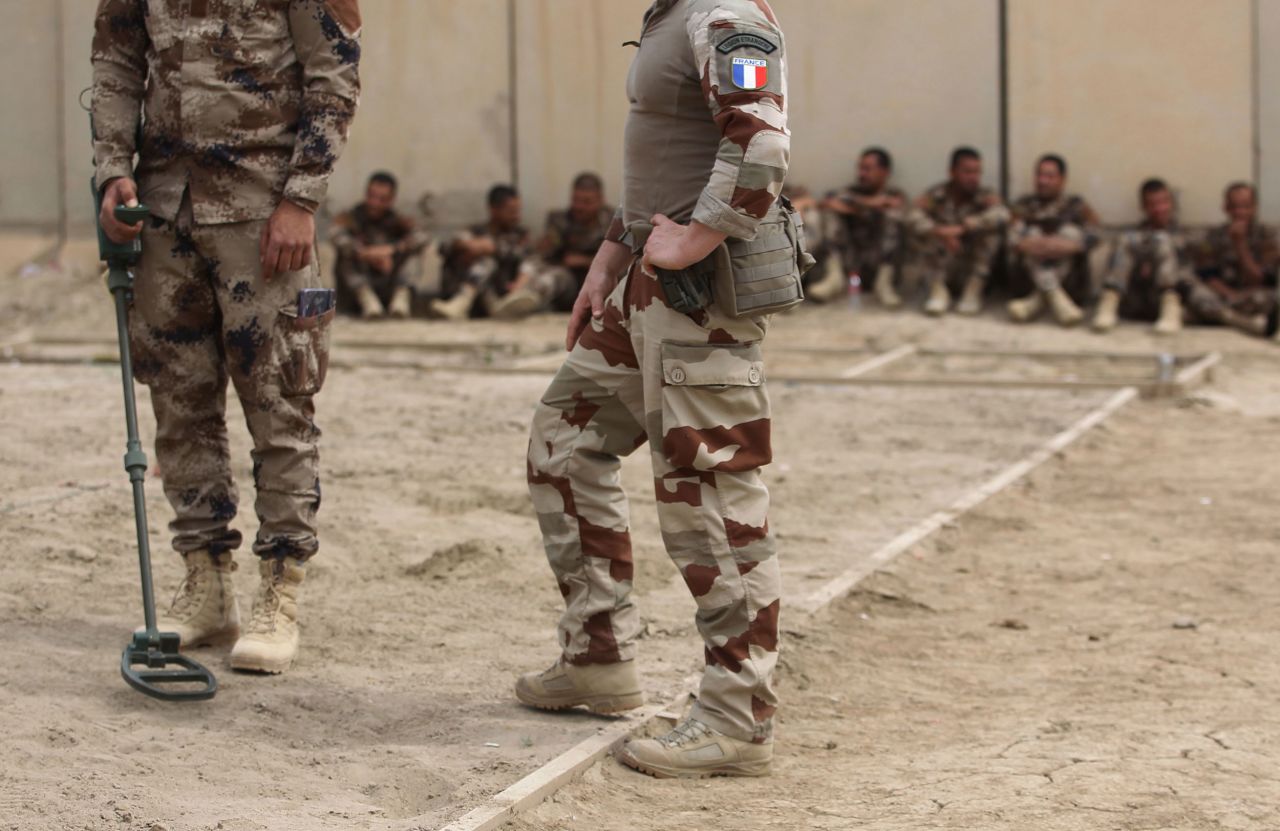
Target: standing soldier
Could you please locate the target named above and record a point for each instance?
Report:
(870, 236)
(376, 245)
(706, 152)
(237, 112)
(1236, 265)
(1051, 233)
(1149, 267)
(960, 222)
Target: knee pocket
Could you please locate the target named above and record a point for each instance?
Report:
(715, 410)
(300, 351)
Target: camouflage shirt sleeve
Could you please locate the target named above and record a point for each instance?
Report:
(326, 37)
(993, 216)
(920, 218)
(413, 238)
(343, 233)
(119, 57)
(739, 51)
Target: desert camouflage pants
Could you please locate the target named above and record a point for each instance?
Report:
(1050, 274)
(1207, 306)
(972, 261)
(1144, 265)
(202, 315)
(692, 387)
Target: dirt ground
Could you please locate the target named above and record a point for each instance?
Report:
(431, 593)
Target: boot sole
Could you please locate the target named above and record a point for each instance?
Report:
(264, 667)
(601, 705)
(752, 769)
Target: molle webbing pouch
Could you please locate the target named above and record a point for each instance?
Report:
(762, 276)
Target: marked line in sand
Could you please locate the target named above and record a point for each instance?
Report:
(537, 786)
(869, 366)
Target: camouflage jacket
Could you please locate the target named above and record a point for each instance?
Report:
(1215, 256)
(867, 225)
(938, 206)
(706, 137)
(564, 235)
(1051, 216)
(513, 245)
(243, 102)
(356, 228)
(1141, 247)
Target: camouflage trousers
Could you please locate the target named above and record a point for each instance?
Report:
(1143, 267)
(692, 387)
(201, 315)
(353, 275)
(1207, 306)
(972, 261)
(864, 246)
(1050, 274)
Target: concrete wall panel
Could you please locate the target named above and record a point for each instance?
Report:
(1268, 99)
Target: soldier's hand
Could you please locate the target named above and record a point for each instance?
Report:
(287, 240)
(673, 246)
(121, 191)
(590, 304)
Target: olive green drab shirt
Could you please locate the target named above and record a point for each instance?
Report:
(242, 102)
(706, 137)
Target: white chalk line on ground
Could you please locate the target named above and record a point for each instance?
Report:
(869, 366)
(538, 785)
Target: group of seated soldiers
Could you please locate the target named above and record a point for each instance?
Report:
(953, 236)
(495, 268)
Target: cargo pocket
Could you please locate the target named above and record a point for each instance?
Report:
(301, 347)
(715, 410)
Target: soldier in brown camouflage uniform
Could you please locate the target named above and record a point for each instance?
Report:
(709, 78)
(1149, 267)
(869, 216)
(959, 224)
(376, 245)
(242, 108)
(485, 262)
(570, 242)
(1051, 234)
(1236, 265)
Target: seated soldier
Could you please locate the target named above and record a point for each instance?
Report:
(1236, 268)
(374, 245)
(565, 252)
(482, 264)
(1148, 267)
(868, 235)
(959, 222)
(1051, 235)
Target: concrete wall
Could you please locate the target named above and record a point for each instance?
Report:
(1123, 89)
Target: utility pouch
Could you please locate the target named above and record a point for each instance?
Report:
(761, 276)
(687, 290)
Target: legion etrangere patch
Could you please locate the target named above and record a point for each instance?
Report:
(744, 40)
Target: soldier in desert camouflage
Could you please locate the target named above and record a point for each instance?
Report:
(376, 245)
(1236, 266)
(959, 223)
(1149, 268)
(709, 78)
(869, 216)
(237, 111)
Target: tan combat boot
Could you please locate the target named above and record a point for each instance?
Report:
(370, 305)
(1255, 325)
(1108, 313)
(1065, 310)
(939, 301)
(270, 641)
(457, 307)
(601, 688)
(695, 751)
(971, 299)
(204, 611)
(884, 290)
(1170, 321)
(515, 305)
(401, 303)
(832, 284)
(1026, 309)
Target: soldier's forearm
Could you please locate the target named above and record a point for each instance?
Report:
(612, 259)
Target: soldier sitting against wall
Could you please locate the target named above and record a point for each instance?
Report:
(375, 246)
(482, 264)
(1051, 234)
(1236, 266)
(959, 223)
(868, 230)
(1149, 267)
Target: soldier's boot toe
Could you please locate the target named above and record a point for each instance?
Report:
(401, 303)
(457, 307)
(370, 306)
(884, 290)
(1170, 320)
(270, 641)
(971, 299)
(1108, 312)
(939, 302)
(831, 285)
(695, 751)
(601, 688)
(515, 305)
(204, 611)
(1065, 310)
(1025, 309)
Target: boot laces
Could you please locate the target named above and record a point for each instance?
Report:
(265, 607)
(689, 730)
(184, 597)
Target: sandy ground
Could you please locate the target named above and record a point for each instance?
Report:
(431, 593)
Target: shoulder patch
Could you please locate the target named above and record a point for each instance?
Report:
(744, 40)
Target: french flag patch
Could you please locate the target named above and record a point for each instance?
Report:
(750, 73)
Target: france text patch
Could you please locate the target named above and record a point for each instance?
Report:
(750, 73)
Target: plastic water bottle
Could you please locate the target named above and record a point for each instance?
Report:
(855, 291)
